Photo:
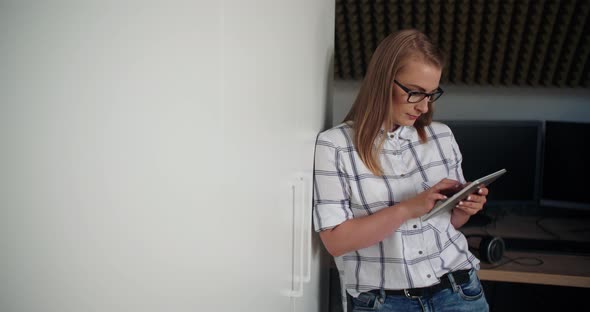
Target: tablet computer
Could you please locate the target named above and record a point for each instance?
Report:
(472, 187)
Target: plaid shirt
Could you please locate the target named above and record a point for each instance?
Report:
(418, 252)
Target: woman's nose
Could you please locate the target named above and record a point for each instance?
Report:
(422, 106)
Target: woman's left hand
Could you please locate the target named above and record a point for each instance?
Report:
(473, 203)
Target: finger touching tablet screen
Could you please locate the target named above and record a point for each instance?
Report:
(472, 187)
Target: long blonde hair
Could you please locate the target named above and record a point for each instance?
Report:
(372, 107)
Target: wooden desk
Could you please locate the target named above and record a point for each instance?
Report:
(557, 269)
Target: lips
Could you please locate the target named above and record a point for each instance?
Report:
(412, 117)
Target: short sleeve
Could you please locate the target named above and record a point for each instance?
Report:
(456, 171)
(331, 205)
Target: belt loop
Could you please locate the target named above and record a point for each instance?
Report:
(453, 283)
(382, 293)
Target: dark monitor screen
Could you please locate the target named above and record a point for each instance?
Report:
(566, 167)
(488, 146)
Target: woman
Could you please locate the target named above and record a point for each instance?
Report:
(382, 169)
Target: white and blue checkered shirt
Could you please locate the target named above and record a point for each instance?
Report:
(418, 252)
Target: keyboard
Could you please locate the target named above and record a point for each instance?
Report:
(547, 245)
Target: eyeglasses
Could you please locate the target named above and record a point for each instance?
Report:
(418, 96)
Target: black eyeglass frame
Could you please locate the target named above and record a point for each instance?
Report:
(431, 96)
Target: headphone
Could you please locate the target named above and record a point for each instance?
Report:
(491, 248)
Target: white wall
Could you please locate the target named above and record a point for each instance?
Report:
(488, 103)
(148, 153)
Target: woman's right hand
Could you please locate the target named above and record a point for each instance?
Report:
(422, 203)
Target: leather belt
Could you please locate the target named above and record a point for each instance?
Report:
(460, 277)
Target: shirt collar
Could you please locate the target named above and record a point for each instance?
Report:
(403, 132)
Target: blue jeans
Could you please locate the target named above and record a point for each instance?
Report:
(462, 297)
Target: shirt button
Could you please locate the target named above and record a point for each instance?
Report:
(391, 136)
(403, 175)
(420, 252)
(415, 226)
(428, 275)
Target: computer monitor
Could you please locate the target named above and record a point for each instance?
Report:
(488, 146)
(566, 166)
